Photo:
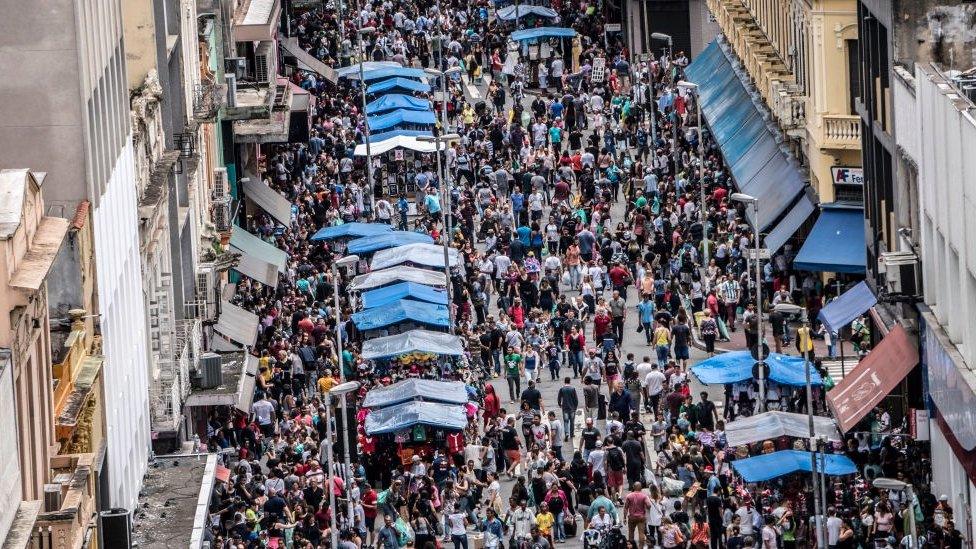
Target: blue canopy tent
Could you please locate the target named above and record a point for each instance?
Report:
(508, 13)
(836, 243)
(769, 466)
(355, 230)
(386, 277)
(396, 101)
(401, 118)
(353, 70)
(737, 366)
(398, 84)
(404, 416)
(383, 73)
(851, 304)
(404, 310)
(542, 32)
(405, 290)
(425, 390)
(392, 239)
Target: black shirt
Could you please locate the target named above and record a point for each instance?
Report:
(510, 438)
(633, 450)
(590, 436)
(533, 397)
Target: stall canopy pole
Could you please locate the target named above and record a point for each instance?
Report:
(804, 336)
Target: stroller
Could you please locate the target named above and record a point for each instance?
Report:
(604, 538)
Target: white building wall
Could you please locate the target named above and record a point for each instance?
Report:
(946, 130)
(123, 322)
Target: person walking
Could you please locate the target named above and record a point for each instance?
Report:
(568, 401)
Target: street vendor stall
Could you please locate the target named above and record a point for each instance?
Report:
(386, 277)
(449, 417)
(382, 297)
(392, 239)
(770, 425)
(777, 464)
(737, 366)
(421, 255)
(426, 390)
(401, 316)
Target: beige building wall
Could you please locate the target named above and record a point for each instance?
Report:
(797, 53)
(139, 26)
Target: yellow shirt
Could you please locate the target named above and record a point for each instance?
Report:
(661, 336)
(545, 522)
(327, 383)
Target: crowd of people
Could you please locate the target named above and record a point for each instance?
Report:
(575, 201)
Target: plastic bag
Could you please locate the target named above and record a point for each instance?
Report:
(404, 530)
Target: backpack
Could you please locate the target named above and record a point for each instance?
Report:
(615, 459)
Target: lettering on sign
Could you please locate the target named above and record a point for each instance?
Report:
(843, 175)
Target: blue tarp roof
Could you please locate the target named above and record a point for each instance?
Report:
(405, 309)
(394, 101)
(398, 117)
(355, 230)
(784, 462)
(398, 84)
(851, 304)
(390, 72)
(406, 415)
(542, 32)
(750, 149)
(737, 366)
(404, 290)
(426, 390)
(424, 341)
(508, 12)
(836, 243)
(353, 70)
(391, 239)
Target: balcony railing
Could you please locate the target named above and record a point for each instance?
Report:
(841, 131)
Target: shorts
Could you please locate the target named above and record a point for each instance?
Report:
(514, 456)
(615, 478)
(681, 352)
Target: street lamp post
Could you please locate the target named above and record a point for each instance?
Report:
(362, 87)
(702, 211)
(342, 389)
(885, 483)
(346, 261)
(754, 202)
(803, 336)
(665, 37)
(437, 140)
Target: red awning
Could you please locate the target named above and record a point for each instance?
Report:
(873, 378)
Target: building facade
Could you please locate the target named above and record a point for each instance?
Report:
(78, 132)
(802, 57)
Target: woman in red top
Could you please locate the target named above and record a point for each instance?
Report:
(491, 406)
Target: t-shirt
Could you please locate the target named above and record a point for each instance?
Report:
(456, 521)
(637, 504)
(769, 537)
(512, 362)
(544, 521)
(262, 410)
(680, 334)
(655, 382)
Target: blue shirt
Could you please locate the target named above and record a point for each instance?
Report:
(523, 234)
(432, 204)
(518, 202)
(646, 310)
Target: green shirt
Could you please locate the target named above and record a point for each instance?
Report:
(512, 362)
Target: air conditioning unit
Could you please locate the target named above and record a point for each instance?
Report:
(210, 373)
(52, 498)
(264, 62)
(900, 270)
(221, 216)
(221, 190)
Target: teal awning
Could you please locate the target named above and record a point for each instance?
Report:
(836, 243)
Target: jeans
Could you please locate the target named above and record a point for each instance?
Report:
(460, 541)
(648, 331)
(514, 387)
(558, 533)
(496, 358)
(554, 370)
(569, 422)
(576, 361)
(574, 276)
(662, 355)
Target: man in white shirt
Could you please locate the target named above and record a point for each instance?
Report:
(383, 211)
(598, 459)
(833, 527)
(654, 386)
(264, 413)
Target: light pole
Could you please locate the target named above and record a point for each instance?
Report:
(803, 336)
(340, 389)
(362, 87)
(665, 37)
(443, 172)
(702, 217)
(346, 261)
(754, 202)
(885, 483)
(437, 140)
